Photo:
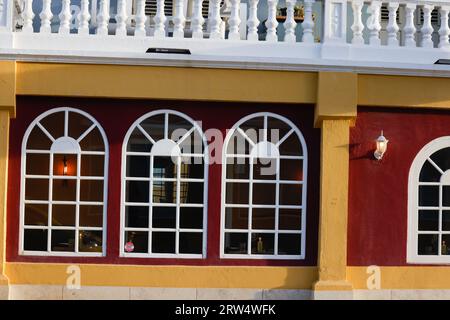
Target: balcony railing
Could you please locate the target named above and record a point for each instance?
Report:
(344, 32)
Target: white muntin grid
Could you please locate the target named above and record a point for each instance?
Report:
(250, 155)
(165, 147)
(64, 145)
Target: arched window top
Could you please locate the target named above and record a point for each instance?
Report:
(429, 204)
(264, 184)
(64, 185)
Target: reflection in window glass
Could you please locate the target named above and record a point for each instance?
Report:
(67, 208)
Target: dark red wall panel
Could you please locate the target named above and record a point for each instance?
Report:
(377, 224)
(116, 116)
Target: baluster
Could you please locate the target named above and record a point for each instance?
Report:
(65, 16)
(83, 18)
(197, 20)
(179, 19)
(290, 24)
(308, 22)
(373, 23)
(392, 27)
(444, 31)
(103, 18)
(409, 29)
(427, 28)
(215, 20)
(46, 17)
(234, 20)
(160, 20)
(253, 21)
(140, 19)
(28, 16)
(121, 18)
(271, 22)
(358, 25)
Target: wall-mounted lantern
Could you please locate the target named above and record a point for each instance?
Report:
(381, 146)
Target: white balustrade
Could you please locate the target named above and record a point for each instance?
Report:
(373, 22)
(392, 27)
(215, 20)
(444, 31)
(121, 18)
(179, 19)
(83, 18)
(253, 21)
(140, 19)
(308, 22)
(197, 20)
(427, 28)
(64, 17)
(271, 22)
(290, 24)
(46, 16)
(27, 16)
(160, 20)
(103, 18)
(409, 29)
(234, 20)
(358, 26)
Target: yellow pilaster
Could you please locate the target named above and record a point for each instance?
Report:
(335, 113)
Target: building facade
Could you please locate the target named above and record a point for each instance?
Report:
(224, 149)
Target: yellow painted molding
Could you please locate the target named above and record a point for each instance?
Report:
(403, 91)
(8, 87)
(174, 83)
(332, 286)
(403, 277)
(337, 96)
(4, 146)
(334, 163)
(166, 276)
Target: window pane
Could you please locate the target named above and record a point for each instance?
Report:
(54, 124)
(136, 217)
(65, 164)
(429, 173)
(178, 127)
(289, 244)
(91, 216)
(238, 144)
(445, 249)
(191, 218)
(38, 140)
(428, 220)
(92, 165)
(164, 192)
(262, 243)
(264, 169)
(91, 190)
(36, 189)
(446, 196)
(191, 192)
(63, 215)
(137, 191)
(35, 240)
(291, 169)
(36, 214)
(191, 242)
(428, 196)
(263, 218)
(90, 241)
(192, 168)
(93, 141)
(237, 193)
(63, 240)
(164, 167)
(446, 220)
(236, 218)
(442, 158)
(278, 129)
(236, 243)
(38, 164)
(253, 128)
(78, 124)
(163, 242)
(291, 146)
(289, 219)
(238, 168)
(164, 217)
(136, 241)
(64, 189)
(138, 142)
(264, 193)
(138, 166)
(291, 194)
(428, 244)
(192, 144)
(154, 126)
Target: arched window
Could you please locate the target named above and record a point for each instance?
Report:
(264, 189)
(429, 204)
(64, 185)
(164, 187)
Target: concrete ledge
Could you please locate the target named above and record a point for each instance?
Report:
(4, 292)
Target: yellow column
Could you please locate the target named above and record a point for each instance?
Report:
(335, 113)
(7, 110)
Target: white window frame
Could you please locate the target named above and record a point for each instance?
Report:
(78, 177)
(413, 206)
(275, 231)
(177, 229)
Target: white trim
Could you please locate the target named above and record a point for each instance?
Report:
(251, 181)
(413, 207)
(51, 177)
(151, 179)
